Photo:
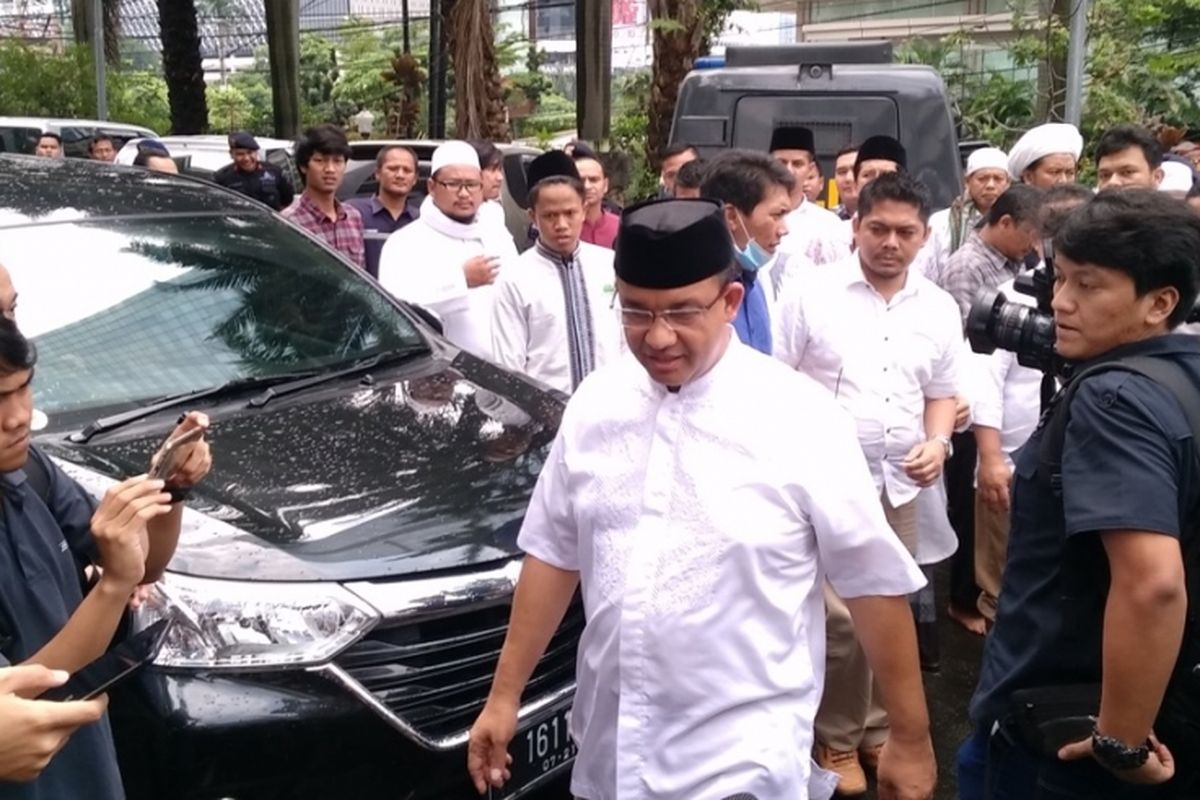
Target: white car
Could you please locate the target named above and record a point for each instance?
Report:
(204, 154)
(20, 134)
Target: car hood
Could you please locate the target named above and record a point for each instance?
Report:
(424, 467)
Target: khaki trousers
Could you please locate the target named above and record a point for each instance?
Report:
(991, 545)
(850, 716)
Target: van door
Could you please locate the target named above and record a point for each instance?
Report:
(835, 120)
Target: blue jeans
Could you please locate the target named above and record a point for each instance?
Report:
(997, 767)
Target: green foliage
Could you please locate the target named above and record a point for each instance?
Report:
(35, 81)
(228, 109)
(1142, 66)
(139, 98)
(318, 76)
(631, 93)
(255, 87)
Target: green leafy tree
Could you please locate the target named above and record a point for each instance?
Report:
(139, 98)
(228, 109)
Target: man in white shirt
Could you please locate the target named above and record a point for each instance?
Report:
(448, 259)
(1046, 155)
(676, 501)
(813, 232)
(552, 317)
(986, 178)
(884, 342)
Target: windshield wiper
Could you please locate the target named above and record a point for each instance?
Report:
(114, 421)
(291, 382)
(304, 382)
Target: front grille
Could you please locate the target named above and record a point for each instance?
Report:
(435, 674)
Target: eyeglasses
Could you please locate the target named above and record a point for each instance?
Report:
(688, 317)
(458, 186)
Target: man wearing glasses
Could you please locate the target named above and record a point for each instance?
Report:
(698, 530)
(447, 260)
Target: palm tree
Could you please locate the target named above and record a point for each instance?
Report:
(111, 11)
(683, 31)
(479, 104)
(182, 65)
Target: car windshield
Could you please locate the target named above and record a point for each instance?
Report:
(124, 311)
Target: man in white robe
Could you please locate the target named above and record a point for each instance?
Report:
(447, 260)
(553, 318)
(814, 233)
(676, 501)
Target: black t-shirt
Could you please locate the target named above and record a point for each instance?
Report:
(267, 184)
(42, 547)
(1127, 464)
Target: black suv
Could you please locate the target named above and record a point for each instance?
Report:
(343, 581)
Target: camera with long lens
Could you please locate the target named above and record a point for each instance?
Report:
(996, 322)
(1027, 330)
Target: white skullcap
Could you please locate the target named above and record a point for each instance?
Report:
(1176, 177)
(1042, 141)
(454, 154)
(987, 158)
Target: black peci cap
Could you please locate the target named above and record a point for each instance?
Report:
(792, 137)
(548, 165)
(666, 244)
(882, 148)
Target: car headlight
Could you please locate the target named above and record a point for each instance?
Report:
(238, 625)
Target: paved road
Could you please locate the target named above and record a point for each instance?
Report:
(948, 692)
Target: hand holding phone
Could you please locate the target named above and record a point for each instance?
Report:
(114, 667)
(169, 455)
(184, 459)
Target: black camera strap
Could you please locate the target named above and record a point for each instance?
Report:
(1174, 379)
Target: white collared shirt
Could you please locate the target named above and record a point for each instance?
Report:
(529, 316)
(815, 233)
(702, 534)
(880, 359)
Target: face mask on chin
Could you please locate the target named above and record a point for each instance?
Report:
(753, 256)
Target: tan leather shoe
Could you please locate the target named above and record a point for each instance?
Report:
(869, 757)
(852, 780)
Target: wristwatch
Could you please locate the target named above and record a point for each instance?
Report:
(946, 443)
(1115, 755)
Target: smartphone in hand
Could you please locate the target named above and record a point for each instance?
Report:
(114, 667)
(168, 456)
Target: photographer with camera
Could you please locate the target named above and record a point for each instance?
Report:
(1085, 690)
(1005, 410)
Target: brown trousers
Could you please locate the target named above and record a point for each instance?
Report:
(991, 544)
(850, 716)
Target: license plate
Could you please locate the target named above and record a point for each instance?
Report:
(540, 748)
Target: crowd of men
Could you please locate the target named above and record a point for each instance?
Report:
(776, 430)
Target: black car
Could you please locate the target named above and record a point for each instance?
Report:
(342, 586)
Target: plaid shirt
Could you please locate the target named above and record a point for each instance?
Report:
(344, 234)
(975, 266)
